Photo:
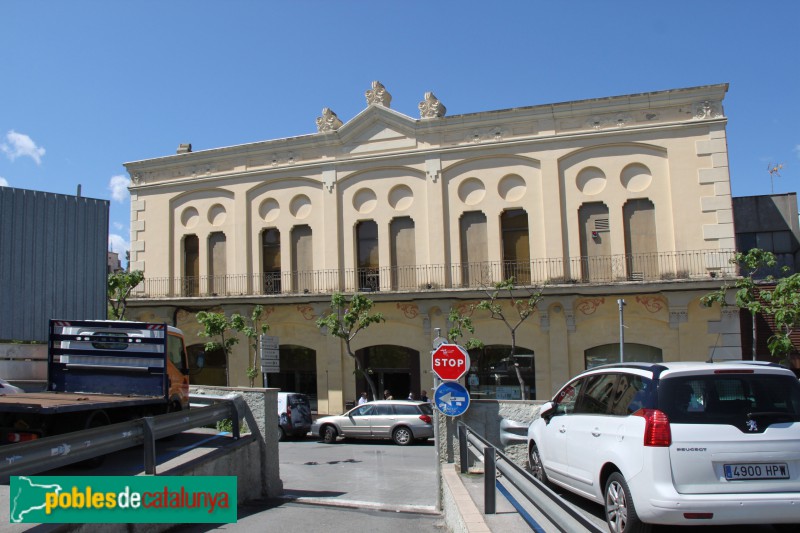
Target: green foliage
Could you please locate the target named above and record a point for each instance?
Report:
(504, 302)
(459, 324)
(218, 327)
(782, 302)
(348, 319)
(118, 287)
(252, 328)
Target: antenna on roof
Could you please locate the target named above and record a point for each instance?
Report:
(711, 357)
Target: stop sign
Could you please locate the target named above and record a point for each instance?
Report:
(450, 362)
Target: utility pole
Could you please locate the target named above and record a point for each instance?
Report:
(621, 304)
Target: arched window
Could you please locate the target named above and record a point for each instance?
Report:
(595, 242)
(367, 273)
(404, 254)
(302, 259)
(493, 373)
(191, 266)
(516, 246)
(271, 260)
(609, 353)
(474, 249)
(217, 264)
(640, 240)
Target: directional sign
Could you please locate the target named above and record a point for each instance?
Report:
(450, 361)
(451, 398)
(270, 355)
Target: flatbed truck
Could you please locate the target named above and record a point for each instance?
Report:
(100, 372)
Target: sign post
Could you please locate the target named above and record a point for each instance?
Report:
(451, 398)
(449, 363)
(270, 356)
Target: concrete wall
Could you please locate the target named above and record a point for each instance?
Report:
(263, 404)
(23, 362)
(485, 418)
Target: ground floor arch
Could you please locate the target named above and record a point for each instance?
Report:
(493, 373)
(632, 352)
(393, 368)
(298, 372)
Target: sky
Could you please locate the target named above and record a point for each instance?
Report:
(86, 86)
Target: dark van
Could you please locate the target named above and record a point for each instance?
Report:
(294, 412)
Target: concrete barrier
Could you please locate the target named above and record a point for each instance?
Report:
(253, 459)
(485, 417)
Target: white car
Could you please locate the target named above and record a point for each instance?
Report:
(8, 388)
(675, 443)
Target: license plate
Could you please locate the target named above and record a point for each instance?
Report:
(756, 471)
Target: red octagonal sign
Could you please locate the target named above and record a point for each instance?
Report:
(450, 362)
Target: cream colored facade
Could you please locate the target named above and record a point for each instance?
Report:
(626, 197)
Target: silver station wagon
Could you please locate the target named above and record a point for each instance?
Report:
(402, 421)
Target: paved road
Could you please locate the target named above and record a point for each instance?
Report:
(346, 487)
(378, 473)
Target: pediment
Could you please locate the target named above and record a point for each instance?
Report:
(378, 130)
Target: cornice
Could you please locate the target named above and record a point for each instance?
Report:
(535, 124)
(420, 154)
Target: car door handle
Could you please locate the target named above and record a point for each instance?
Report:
(562, 429)
(595, 433)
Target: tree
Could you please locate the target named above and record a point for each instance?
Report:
(251, 328)
(346, 320)
(118, 287)
(459, 323)
(753, 294)
(218, 325)
(512, 311)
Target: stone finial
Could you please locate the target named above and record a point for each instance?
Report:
(431, 107)
(328, 121)
(378, 95)
(184, 148)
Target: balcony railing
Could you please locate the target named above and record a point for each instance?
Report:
(700, 264)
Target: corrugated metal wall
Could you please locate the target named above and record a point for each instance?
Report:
(52, 260)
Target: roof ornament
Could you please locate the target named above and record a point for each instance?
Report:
(431, 107)
(378, 95)
(328, 121)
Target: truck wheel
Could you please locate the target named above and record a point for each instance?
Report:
(96, 419)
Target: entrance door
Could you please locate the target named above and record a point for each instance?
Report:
(395, 368)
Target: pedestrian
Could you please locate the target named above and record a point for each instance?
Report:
(387, 395)
(410, 396)
(424, 396)
(363, 399)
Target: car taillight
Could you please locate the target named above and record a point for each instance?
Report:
(656, 427)
(425, 418)
(288, 411)
(21, 437)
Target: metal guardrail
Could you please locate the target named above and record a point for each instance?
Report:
(68, 448)
(551, 505)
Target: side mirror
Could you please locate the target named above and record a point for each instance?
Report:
(199, 363)
(547, 410)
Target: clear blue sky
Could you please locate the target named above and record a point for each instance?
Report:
(88, 85)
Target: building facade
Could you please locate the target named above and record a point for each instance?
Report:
(593, 201)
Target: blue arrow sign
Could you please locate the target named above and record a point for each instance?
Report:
(451, 398)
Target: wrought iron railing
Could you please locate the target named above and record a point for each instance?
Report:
(653, 267)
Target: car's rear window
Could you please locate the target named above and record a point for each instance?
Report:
(426, 408)
(298, 399)
(730, 399)
(406, 409)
